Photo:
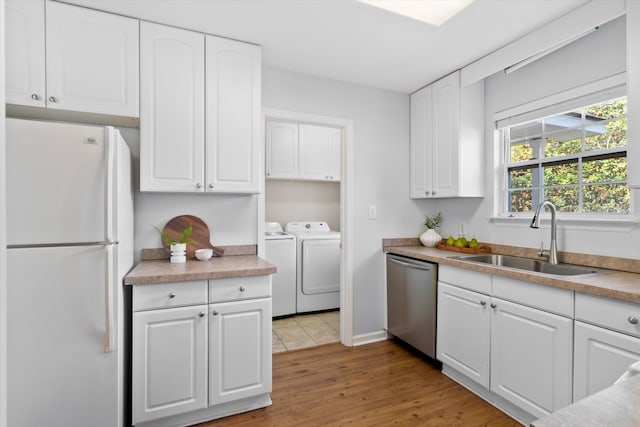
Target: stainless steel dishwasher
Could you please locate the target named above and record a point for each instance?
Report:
(411, 302)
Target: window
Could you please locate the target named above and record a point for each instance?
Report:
(576, 159)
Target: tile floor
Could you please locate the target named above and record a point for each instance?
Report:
(305, 330)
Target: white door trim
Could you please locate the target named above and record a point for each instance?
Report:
(346, 208)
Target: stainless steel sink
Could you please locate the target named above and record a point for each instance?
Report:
(529, 264)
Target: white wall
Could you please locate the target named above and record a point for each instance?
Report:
(381, 159)
(598, 55)
(287, 201)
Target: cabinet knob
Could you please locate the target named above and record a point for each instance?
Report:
(633, 320)
(330, 177)
(426, 193)
(172, 295)
(198, 185)
(493, 305)
(268, 174)
(210, 185)
(433, 194)
(241, 288)
(201, 314)
(215, 312)
(52, 99)
(326, 177)
(483, 302)
(35, 97)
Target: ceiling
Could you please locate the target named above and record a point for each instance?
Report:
(349, 41)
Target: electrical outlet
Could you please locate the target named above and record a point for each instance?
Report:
(372, 212)
(462, 229)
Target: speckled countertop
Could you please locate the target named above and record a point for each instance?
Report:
(611, 282)
(618, 405)
(162, 271)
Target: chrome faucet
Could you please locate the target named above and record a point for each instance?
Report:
(552, 253)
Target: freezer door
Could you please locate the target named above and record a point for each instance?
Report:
(58, 371)
(56, 183)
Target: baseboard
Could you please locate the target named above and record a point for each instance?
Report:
(369, 338)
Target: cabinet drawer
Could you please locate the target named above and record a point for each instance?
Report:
(467, 279)
(547, 298)
(238, 288)
(165, 295)
(610, 313)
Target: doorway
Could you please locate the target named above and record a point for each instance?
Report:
(342, 193)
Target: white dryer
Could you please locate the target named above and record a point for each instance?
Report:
(280, 250)
(318, 266)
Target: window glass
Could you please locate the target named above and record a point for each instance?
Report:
(576, 159)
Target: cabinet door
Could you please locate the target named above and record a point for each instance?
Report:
(233, 116)
(92, 61)
(239, 350)
(316, 145)
(601, 356)
(531, 357)
(169, 362)
(446, 134)
(172, 114)
(281, 150)
(335, 154)
(421, 142)
(463, 332)
(25, 52)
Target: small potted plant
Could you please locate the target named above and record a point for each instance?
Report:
(178, 246)
(430, 237)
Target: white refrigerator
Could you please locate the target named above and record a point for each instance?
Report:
(70, 243)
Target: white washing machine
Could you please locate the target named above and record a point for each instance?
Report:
(280, 250)
(318, 266)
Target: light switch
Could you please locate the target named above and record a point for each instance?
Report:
(372, 211)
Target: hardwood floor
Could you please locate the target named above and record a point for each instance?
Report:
(378, 384)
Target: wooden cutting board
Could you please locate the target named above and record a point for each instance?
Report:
(200, 235)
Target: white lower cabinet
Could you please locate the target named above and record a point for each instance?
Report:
(201, 350)
(517, 354)
(607, 341)
(239, 341)
(531, 357)
(464, 332)
(601, 357)
(169, 361)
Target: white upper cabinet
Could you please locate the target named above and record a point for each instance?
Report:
(182, 76)
(281, 150)
(233, 115)
(25, 50)
(447, 134)
(421, 142)
(172, 114)
(319, 152)
(303, 151)
(92, 61)
(91, 58)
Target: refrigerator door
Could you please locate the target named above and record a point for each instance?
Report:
(56, 183)
(59, 323)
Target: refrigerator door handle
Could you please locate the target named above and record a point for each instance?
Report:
(109, 193)
(108, 300)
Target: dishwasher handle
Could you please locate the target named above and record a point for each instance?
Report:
(408, 263)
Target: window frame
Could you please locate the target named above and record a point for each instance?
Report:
(601, 91)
